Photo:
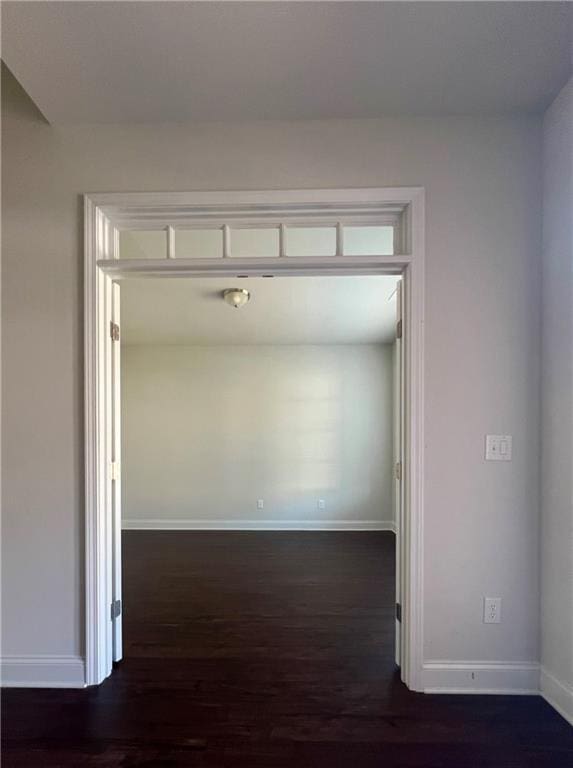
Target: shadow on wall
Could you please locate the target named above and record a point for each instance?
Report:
(208, 431)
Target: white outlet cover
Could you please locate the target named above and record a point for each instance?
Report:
(492, 610)
(260, 504)
(498, 447)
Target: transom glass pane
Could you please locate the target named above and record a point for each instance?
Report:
(368, 241)
(251, 243)
(148, 244)
(311, 241)
(198, 243)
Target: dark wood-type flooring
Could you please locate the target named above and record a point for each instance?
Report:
(267, 650)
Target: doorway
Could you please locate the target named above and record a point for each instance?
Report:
(338, 215)
(274, 416)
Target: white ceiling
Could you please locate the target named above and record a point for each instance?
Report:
(115, 62)
(285, 310)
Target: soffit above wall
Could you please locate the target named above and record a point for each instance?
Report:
(132, 62)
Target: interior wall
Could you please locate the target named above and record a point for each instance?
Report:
(557, 406)
(482, 343)
(208, 431)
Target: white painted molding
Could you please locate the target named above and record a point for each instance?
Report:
(258, 525)
(43, 672)
(496, 677)
(558, 694)
(106, 214)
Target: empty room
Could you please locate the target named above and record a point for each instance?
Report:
(258, 482)
(287, 384)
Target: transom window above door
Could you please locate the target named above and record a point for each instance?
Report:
(258, 241)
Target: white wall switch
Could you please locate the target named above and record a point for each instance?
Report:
(498, 447)
(321, 504)
(260, 504)
(492, 610)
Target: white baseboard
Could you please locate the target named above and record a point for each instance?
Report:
(496, 677)
(42, 672)
(558, 694)
(258, 525)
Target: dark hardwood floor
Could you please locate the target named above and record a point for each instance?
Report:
(267, 650)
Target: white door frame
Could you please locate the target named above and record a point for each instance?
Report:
(107, 214)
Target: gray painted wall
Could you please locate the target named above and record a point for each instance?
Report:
(207, 431)
(482, 328)
(557, 404)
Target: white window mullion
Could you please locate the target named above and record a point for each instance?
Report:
(226, 241)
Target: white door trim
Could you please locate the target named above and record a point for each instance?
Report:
(105, 214)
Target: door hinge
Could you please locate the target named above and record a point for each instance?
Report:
(399, 329)
(398, 470)
(115, 609)
(398, 612)
(114, 331)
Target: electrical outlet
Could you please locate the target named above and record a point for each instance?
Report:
(321, 504)
(260, 504)
(492, 610)
(498, 447)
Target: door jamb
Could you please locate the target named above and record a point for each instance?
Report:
(102, 212)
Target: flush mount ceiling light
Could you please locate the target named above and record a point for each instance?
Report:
(236, 297)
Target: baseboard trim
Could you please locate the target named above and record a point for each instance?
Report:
(258, 525)
(482, 677)
(43, 672)
(559, 695)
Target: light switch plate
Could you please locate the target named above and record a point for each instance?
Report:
(498, 447)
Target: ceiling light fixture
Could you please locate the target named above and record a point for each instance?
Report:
(236, 297)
